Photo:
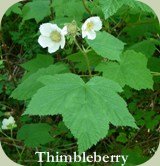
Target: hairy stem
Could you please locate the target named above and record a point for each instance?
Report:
(86, 7)
(85, 56)
(52, 12)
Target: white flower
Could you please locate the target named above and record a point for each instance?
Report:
(52, 37)
(8, 123)
(90, 27)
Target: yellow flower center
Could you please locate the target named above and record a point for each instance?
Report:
(55, 36)
(90, 26)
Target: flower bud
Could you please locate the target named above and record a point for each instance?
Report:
(72, 28)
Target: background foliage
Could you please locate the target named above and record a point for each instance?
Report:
(129, 26)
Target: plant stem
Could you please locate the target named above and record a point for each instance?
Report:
(155, 73)
(85, 56)
(52, 12)
(15, 145)
(85, 6)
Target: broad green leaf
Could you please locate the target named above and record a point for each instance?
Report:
(41, 61)
(142, 7)
(110, 7)
(131, 70)
(107, 46)
(80, 62)
(37, 10)
(154, 66)
(29, 86)
(146, 47)
(35, 135)
(87, 108)
(37, 63)
(95, 8)
(136, 156)
(142, 28)
(68, 9)
(14, 9)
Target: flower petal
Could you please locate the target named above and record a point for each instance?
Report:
(53, 48)
(45, 41)
(4, 127)
(84, 34)
(97, 23)
(11, 120)
(5, 122)
(63, 42)
(46, 29)
(64, 30)
(84, 26)
(91, 35)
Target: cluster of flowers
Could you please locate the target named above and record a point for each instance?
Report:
(8, 124)
(53, 37)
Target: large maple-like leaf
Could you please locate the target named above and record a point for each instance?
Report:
(132, 71)
(30, 85)
(110, 7)
(38, 10)
(87, 108)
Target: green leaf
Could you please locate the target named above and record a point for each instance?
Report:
(41, 61)
(145, 27)
(142, 7)
(68, 9)
(154, 66)
(146, 47)
(136, 156)
(122, 138)
(131, 70)
(110, 7)
(15, 9)
(87, 108)
(35, 135)
(37, 10)
(107, 46)
(29, 86)
(80, 62)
